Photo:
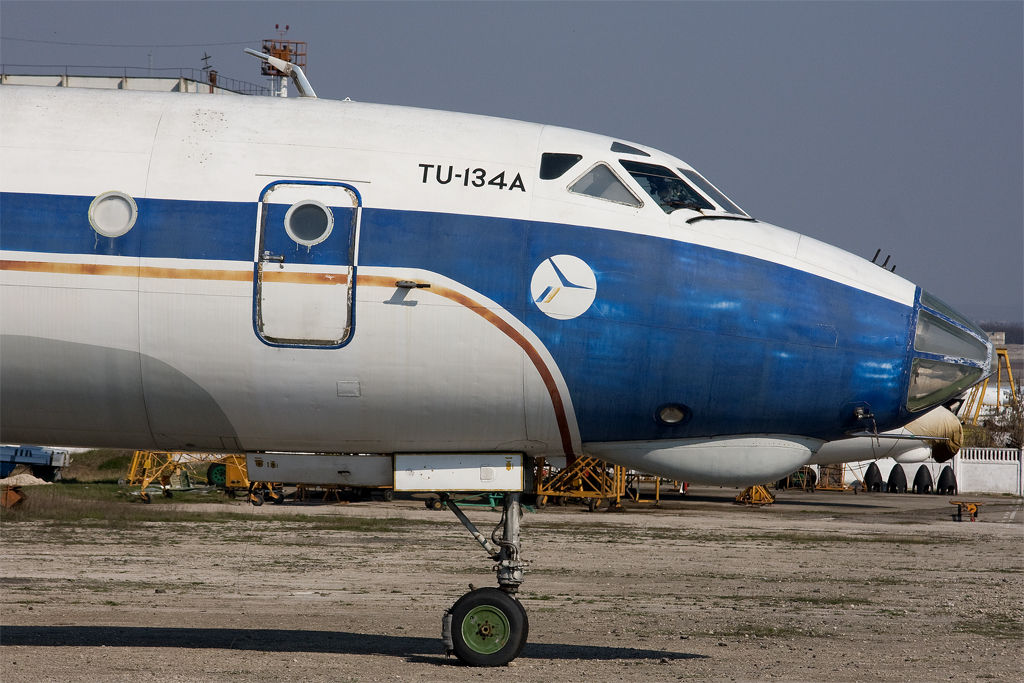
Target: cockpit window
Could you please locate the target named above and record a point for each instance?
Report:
(554, 165)
(623, 148)
(712, 191)
(665, 187)
(601, 182)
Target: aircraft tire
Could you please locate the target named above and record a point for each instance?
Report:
(526, 628)
(489, 627)
(217, 474)
(256, 499)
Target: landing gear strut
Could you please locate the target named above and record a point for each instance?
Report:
(488, 626)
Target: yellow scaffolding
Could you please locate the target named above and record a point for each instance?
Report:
(976, 398)
(162, 467)
(585, 477)
(755, 495)
(635, 479)
(227, 472)
(833, 478)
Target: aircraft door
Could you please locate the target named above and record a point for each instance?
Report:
(304, 267)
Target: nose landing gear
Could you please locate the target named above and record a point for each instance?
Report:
(489, 626)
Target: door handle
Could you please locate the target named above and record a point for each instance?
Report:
(409, 284)
(275, 258)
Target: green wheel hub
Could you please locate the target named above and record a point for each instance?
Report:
(217, 474)
(486, 629)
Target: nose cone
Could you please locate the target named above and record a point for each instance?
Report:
(950, 354)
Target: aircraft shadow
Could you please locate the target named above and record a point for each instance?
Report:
(282, 640)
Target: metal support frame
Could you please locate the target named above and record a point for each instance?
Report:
(976, 398)
(755, 495)
(585, 477)
(148, 467)
(501, 547)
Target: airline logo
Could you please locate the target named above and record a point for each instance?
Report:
(563, 287)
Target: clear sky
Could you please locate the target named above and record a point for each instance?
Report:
(892, 125)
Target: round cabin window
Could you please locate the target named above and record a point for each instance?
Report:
(308, 222)
(113, 213)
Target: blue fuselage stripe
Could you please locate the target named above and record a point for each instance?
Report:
(746, 344)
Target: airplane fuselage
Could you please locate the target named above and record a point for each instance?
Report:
(217, 272)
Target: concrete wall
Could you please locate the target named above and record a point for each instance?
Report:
(977, 470)
(990, 470)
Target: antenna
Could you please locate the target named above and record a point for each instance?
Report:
(884, 264)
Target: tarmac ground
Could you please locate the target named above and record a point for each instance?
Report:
(819, 586)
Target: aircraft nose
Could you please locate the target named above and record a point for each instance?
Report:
(950, 354)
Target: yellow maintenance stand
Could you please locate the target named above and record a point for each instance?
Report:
(755, 495)
(227, 472)
(584, 477)
(162, 467)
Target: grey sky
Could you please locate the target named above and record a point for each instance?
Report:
(867, 125)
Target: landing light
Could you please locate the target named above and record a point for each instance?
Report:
(673, 414)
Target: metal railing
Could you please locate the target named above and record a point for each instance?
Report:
(197, 75)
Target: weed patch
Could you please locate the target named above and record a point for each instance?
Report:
(993, 626)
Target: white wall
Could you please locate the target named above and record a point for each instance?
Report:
(977, 470)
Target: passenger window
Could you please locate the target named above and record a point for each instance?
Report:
(666, 188)
(554, 165)
(601, 182)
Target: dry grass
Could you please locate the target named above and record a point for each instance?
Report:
(111, 506)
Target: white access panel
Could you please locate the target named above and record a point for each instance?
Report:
(459, 472)
(317, 469)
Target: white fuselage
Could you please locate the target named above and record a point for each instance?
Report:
(433, 316)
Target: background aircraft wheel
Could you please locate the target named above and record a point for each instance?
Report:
(489, 627)
(217, 474)
(433, 503)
